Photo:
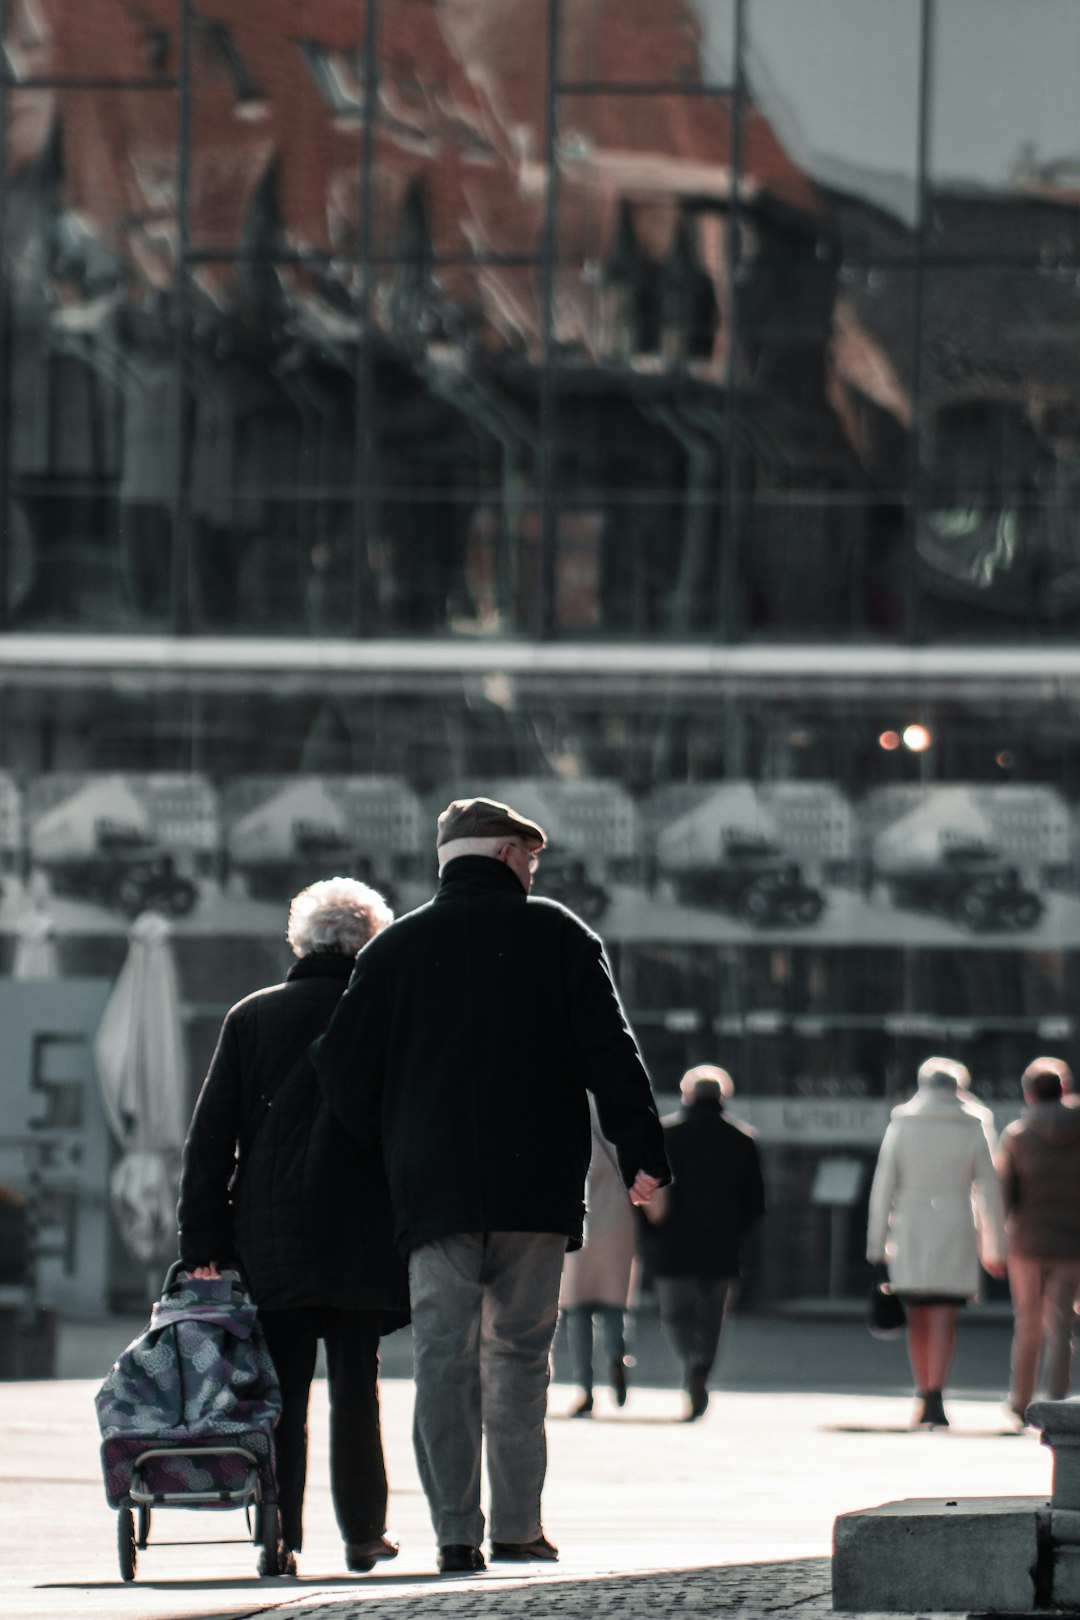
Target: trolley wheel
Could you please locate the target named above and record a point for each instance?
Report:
(143, 1535)
(125, 1543)
(268, 1528)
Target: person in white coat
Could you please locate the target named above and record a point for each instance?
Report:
(596, 1277)
(935, 1212)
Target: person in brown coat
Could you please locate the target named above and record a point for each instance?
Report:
(1038, 1162)
(596, 1277)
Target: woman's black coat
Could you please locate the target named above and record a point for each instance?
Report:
(268, 1176)
(466, 1046)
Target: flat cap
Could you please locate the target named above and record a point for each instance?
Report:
(487, 818)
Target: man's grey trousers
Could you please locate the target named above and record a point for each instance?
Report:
(484, 1308)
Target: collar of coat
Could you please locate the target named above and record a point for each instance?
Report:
(940, 1103)
(476, 872)
(322, 964)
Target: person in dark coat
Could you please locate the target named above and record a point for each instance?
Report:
(466, 1046)
(694, 1231)
(270, 1182)
(1038, 1163)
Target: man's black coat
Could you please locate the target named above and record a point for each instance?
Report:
(466, 1044)
(307, 1212)
(717, 1196)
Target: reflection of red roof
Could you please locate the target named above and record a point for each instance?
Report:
(462, 111)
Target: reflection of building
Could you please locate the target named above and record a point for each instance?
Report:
(458, 392)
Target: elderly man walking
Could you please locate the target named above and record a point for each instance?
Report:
(695, 1231)
(467, 1043)
(1038, 1162)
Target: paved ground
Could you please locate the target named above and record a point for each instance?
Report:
(730, 1516)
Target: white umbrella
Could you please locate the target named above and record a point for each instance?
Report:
(142, 1070)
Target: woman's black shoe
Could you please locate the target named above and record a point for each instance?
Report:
(931, 1413)
(618, 1381)
(583, 1408)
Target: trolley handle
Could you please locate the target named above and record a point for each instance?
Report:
(181, 1268)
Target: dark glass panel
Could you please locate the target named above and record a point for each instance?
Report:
(641, 563)
(455, 562)
(88, 400)
(271, 484)
(822, 564)
(1004, 130)
(997, 545)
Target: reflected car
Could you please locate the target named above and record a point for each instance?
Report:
(972, 886)
(757, 882)
(567, 880)
(130, 873)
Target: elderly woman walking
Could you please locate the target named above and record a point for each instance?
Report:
(935, 1211)
(596, 1277)
(271, 1182)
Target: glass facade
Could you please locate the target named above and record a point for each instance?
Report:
(661, 413)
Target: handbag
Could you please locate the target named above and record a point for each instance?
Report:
(885, 1316)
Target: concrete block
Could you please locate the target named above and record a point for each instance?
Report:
(969, 1553)
(1065, 1582)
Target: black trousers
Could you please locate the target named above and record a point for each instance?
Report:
(692, 1315)
(357, 1466)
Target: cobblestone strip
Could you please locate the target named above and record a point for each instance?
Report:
(800, 1588)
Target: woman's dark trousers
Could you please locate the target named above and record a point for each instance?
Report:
(357, 1467)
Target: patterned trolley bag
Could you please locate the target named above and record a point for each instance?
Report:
(187, 1416)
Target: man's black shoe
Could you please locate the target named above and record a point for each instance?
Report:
(362, 1556)
(460, 1560)
(524, 1552)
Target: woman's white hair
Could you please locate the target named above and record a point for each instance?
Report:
(339, 914)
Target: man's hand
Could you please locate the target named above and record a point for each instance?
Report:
(208, 1273)
(643, 1188)
(995, 1268)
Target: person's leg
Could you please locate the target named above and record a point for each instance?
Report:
(1059, 1322)
(679, 1317)
(292, 1338)
(446, 1296)
(941, 1345)
(579, 1345)
(1026, 1287)
(712, 1298)
(357, 1465)
(521, 1302)
(613, 1327)
(918, 1330)
(677, 1298)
